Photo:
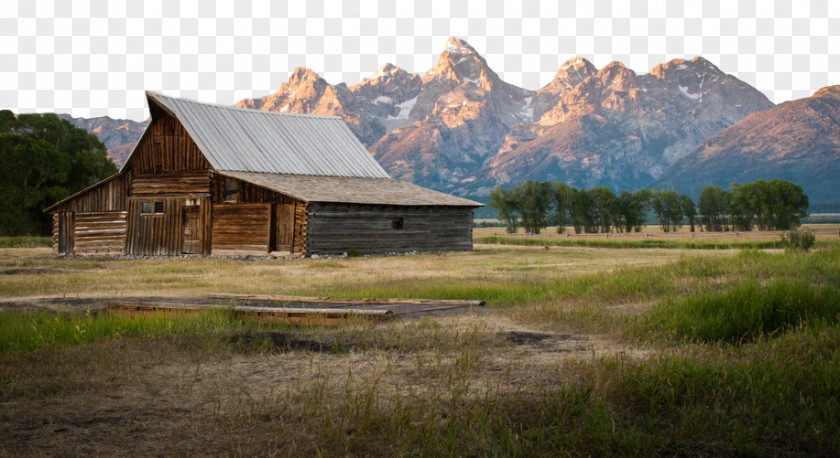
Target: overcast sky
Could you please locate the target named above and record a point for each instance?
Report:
(95, 58)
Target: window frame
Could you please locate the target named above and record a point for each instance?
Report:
(153, 208)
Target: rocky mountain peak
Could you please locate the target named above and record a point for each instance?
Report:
(617, 77)
(388, 78)
(829, 91)
(573, 72)
(458, 46)
(386, 71)
(681, 69)
(303, 76)
(459, 63)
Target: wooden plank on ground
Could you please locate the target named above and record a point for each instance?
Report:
(262, 312)
(332, 300)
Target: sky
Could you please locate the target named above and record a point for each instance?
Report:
(96, 58)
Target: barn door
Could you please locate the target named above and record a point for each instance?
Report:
(65, 233)
(192, 239)
(284, 217)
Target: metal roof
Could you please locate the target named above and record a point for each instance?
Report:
(354, 190)
(237, 139)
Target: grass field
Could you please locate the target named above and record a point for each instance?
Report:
(580, 351)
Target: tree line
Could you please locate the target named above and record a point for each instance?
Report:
(43, 159)
(767, 205)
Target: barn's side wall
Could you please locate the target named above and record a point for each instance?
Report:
(247, 226)
(340, 228)
(94, 221)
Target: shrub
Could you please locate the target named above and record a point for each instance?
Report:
(796, 239)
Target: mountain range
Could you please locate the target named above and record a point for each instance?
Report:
(460, 128)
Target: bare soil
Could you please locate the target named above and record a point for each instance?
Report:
(161, 397)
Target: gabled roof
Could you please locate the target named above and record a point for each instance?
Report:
(237, 139)
(353, 190)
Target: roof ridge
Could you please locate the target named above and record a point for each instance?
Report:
(232, 138)
(158, 95)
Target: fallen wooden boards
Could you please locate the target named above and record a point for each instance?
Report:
(308, 315)
(399, 306)
(295, 308)
(332, 300)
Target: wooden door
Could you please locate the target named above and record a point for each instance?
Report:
(192, 238)
(284, 227)
(65, 233)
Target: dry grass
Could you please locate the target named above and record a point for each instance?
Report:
(559, 363)
(34, 272)
(825, 232)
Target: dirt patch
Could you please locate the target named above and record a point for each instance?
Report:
(283, 342)
(36, 271)
(164, 396)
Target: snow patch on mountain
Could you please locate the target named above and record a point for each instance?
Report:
(691, 96)
(405, 109)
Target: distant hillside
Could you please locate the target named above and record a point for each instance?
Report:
(798, 141)
(118, 135)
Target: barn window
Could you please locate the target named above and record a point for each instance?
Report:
(231, 191)
(151, 208)
(397, 223)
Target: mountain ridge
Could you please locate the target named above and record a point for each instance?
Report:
(461, 129)
(797, 141)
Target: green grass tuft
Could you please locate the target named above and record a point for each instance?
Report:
(646, 243)
(25, 242)
(20, 331)
(745, 311)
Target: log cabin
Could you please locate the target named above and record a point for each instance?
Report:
(213, 180)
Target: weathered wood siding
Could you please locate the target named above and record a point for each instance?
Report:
(55, 233)
(100, 232)
(166, 147)
(241, 229)
(301, 224)
(338, 228)
(252, 194)
(63, 233)
(167, 167)
(155, 234)
(181, 184)
(110, 195)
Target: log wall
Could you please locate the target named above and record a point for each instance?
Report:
(301, 218)
(241, 229)
(339, 228)
(55, 233)
(100, 232)
(155, 234)
(63, 233)
(182, 184)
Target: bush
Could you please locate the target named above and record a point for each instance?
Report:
(796, 239)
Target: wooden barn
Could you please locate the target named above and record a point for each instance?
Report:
(213, 180)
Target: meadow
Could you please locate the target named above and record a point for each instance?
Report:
(581, 350)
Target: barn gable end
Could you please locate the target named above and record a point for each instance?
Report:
(212, 180)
